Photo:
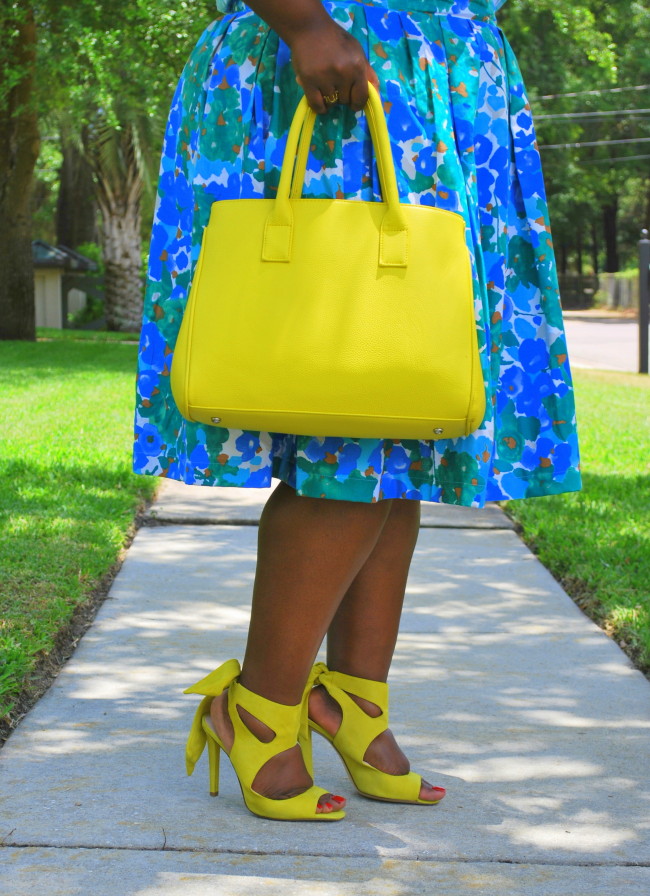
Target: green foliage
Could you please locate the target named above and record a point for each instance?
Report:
(115, 58)
(592, 49)
(120, 72)
(12, 15)
(92, 251)
(597, 541)
(68, 497)
(90, 315)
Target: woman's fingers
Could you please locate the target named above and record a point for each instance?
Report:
(359, 91)
(358, 95)
(331, 68)
(316, 101)
(372, 77)
(314, 97)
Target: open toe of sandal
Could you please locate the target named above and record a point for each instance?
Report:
(358, 730)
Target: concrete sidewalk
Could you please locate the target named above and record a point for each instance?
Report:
(502, 691)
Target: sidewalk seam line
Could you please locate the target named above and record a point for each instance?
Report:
(155, 522)
(318, 855)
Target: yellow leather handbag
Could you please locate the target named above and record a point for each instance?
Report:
(331, 317)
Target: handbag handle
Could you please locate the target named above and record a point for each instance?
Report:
(278, 233)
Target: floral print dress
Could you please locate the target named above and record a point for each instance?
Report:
(463, 139)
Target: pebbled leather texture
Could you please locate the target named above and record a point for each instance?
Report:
(331, 317)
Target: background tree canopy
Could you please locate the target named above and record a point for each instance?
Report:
(587, 69)
(90, 83)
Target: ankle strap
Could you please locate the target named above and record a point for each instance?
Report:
(374, 691)
(282, 719)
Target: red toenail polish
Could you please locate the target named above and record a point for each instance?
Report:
(339, 799)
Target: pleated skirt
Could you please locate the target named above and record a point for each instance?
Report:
(463, 139)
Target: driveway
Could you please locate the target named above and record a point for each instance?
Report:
(602, 340)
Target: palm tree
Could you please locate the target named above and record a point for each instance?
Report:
(116, 157)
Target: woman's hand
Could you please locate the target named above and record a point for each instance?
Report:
(327, 60)
(330, 62)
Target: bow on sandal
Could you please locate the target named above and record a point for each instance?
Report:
(248, 754)
(358, 730)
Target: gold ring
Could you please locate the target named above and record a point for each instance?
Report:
(332, 97)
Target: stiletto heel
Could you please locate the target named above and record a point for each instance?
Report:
(358, 730)
(248, 754)
(214, 751)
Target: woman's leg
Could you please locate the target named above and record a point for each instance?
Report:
(309, 552)
(362, 636)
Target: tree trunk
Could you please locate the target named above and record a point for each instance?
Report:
(594, 247)
(76, 209)
(113, 155)
(19, 147)
(123, 265)
(610, 233)
(579, 265)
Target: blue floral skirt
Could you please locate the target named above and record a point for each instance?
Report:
(463, 139)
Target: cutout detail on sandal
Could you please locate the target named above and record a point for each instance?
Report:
(247, 717)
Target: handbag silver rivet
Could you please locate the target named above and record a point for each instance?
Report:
(438, 430)
(216, 419)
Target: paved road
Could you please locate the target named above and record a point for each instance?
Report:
(606, 342)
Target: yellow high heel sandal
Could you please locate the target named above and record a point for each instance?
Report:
(248, 753)
(358, 730)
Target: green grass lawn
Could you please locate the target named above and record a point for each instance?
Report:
(67, 496)
(597, 541)
(50, 334)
